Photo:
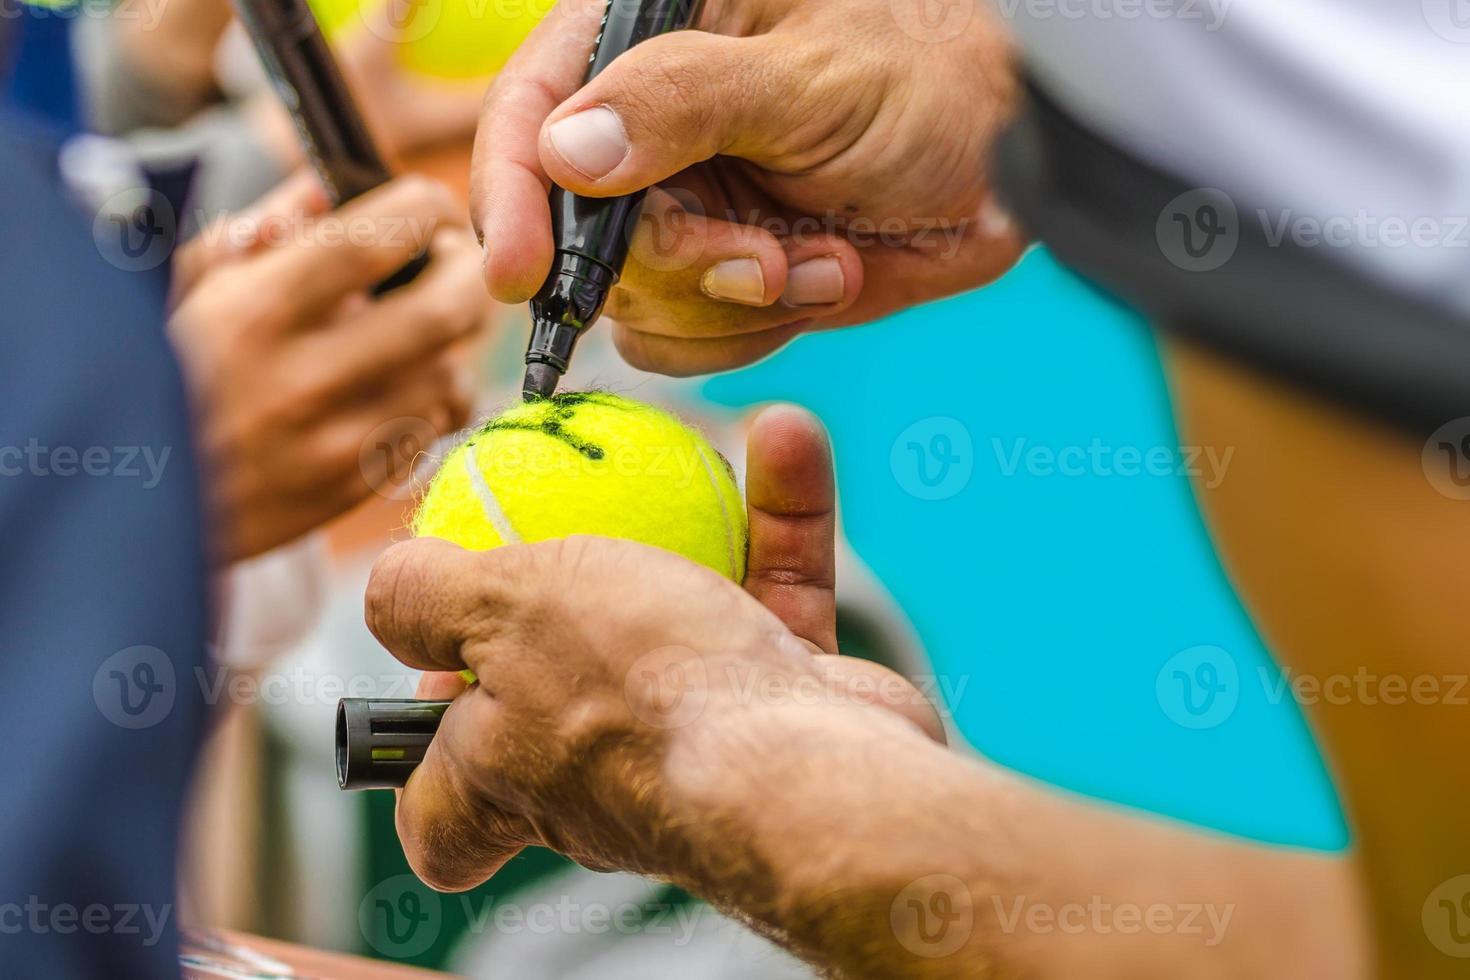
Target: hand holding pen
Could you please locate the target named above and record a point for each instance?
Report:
(781, 208)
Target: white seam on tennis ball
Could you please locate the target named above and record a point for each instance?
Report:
(488, 501)
(714, 485)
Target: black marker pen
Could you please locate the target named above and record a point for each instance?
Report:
(592, 234)
(380, 742)
(309, 83)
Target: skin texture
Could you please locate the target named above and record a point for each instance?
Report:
(858, 164)
(834, 826)
(620, 724)
(733, 773)
(292, 367)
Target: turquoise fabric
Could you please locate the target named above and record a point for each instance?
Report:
(1031, 516)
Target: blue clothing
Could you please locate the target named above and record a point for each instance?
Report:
(36, 75)
(102, 595)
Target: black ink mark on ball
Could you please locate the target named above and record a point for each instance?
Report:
(555, 413)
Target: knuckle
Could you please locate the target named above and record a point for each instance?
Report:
(452, 315)
(623, 303)
(418, 190)
(434, 865)
(386, 586)
(303, 397)
(794, 578)
(334, 453)
(441, 202)
(677, 77)
(439, 315)
(555, 565)
(510, 93)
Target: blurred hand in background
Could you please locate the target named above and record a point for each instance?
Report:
(171, 50)
(408, 113)
(811, 182)
(292, 365)
(175, 54)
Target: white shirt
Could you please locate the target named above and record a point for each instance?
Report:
(1343, 125)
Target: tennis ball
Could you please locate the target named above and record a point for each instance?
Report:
(449, 39)
(469, 38)
(589, 463)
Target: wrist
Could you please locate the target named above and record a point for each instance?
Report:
(800, 805)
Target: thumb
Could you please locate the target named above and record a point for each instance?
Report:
(667, 104)
(791, 500)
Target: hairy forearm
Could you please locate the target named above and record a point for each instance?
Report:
(872, 851)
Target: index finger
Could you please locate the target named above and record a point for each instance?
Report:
(360, 244)
(453, 836)
(508, 186)
(233, 235)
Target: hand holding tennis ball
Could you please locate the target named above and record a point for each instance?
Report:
(564, 743)
(589, 463)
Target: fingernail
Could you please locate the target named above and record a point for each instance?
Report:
(736, 280)
(592, 142)
(817, 282)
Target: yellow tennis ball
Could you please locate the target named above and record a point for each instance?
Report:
(589, 463)
(469, 38)
(450, 39)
